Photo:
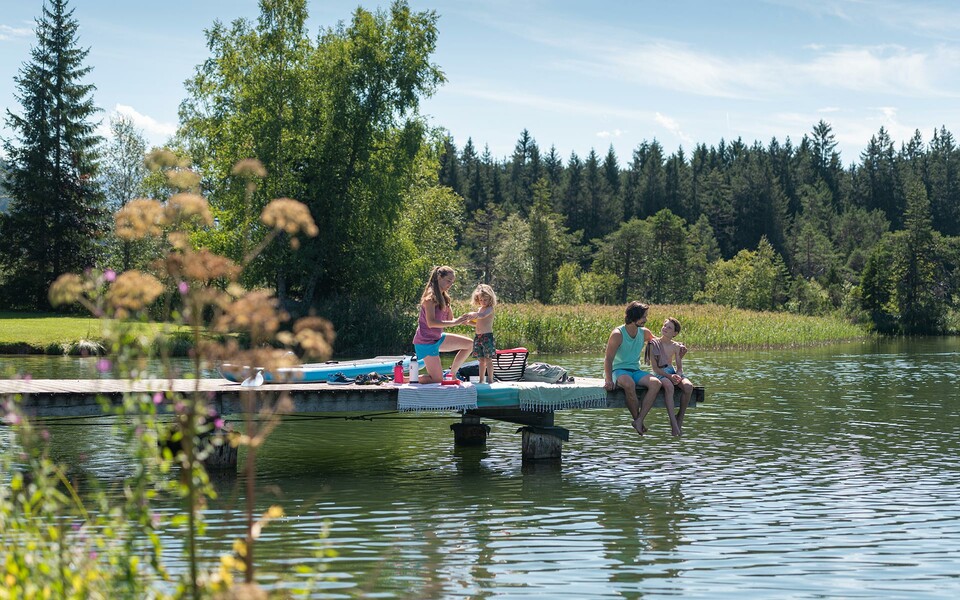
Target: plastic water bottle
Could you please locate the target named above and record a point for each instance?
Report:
(414, 370)
(398, 372)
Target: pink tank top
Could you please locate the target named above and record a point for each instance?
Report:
(426, 334)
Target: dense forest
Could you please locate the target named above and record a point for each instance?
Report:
(334, 119)
(767, 227)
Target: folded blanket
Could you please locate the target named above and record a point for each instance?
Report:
(434, 396)
(546, 397)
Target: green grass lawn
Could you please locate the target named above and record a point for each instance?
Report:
(40, 330)
(47, 333)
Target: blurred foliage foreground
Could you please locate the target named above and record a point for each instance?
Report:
(56, 544)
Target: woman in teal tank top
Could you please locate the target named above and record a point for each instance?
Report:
(621, 363)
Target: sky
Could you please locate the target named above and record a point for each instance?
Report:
(579, 76)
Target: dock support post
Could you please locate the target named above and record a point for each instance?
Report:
(223, 455)
(470, 431)
(541, 443)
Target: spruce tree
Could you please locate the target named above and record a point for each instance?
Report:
(56, 209)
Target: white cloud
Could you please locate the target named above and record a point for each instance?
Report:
(922, 18)
(874, 69)
(152, 128)
(880, 70)
(8, 33)
(672, 126)
(609, 134)
(543, 103)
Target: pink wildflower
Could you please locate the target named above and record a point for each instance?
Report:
(158, 398)
(183, 287)
(103, 365)
(110, 275)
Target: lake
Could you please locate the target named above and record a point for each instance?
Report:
(806, 473)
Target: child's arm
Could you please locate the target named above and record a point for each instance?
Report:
(679, 357)
(471, 316)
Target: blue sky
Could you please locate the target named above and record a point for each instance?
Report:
(582, 75)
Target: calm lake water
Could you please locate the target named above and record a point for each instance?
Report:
(828, 472)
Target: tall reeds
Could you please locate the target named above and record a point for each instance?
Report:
(586, 327)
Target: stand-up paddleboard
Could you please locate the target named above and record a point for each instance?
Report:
(319, 372)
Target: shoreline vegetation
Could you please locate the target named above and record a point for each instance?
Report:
(545, 329)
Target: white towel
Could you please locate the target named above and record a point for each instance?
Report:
(435, 396)
(540, 397)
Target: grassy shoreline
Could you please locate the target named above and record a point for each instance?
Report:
(540, 328)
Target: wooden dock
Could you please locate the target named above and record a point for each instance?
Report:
(85, 397)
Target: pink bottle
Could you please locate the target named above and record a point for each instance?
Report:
(398, 372)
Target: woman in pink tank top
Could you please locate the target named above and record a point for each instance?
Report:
(435, 315)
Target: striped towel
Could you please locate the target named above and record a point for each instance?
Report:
(539, 397)
(434, 396)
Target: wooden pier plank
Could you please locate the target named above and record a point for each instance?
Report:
(79, 397)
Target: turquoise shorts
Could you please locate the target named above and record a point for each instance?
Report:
(425, 350)
(636, 374)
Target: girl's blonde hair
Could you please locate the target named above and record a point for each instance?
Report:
(432, 290)
(484, 290)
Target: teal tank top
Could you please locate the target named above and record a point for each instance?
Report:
(630, 350)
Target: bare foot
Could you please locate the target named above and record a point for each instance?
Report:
(639, 426)
(680, 419)
(676, 430)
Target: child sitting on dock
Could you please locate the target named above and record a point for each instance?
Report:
(484, 346)
(665, 356)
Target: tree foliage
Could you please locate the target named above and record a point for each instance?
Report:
(753, 279)
(56, 215)
(335, 123)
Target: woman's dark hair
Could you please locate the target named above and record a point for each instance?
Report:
(432, 290)
(635, 311)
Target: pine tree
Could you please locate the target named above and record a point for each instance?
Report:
(56, 210)
(920, 299)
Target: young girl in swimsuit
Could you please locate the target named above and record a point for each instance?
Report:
(484, 346)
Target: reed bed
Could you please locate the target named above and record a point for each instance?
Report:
(585, 328)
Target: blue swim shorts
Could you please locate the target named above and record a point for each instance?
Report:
(425, 350)
(636, 374)
(669, 370)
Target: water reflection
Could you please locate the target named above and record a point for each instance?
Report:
(815, 472)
